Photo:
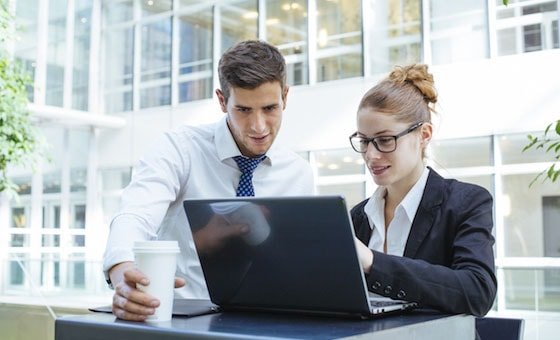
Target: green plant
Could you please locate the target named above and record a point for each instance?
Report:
(549, 143)
(19, 140)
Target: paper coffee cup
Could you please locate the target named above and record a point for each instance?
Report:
(158, 261)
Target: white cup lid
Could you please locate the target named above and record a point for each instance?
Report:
(156, 246)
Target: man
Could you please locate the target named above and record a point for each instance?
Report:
(198, 162)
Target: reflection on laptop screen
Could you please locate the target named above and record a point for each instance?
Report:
(289, 254)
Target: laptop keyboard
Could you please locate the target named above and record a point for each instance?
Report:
(377, 303)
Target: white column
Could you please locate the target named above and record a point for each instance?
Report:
(4, 239)
(41, 61)
(137, 57)
(65, 240)
(217, 45)
(69, 57)
(261, 20)
(492, 33)
(312, 41)
(95, 100)
(36, 224)
(499, 224)
(426, 36)
(175, 42)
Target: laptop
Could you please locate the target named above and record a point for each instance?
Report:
(283, 254)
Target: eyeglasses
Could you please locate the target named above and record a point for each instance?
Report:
(383, 144)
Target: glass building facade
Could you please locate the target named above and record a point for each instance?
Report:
(134, 59)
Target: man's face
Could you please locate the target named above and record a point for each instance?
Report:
(254, 116)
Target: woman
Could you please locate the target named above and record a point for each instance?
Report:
(429, 239)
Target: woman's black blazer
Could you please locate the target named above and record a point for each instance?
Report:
(448, 262)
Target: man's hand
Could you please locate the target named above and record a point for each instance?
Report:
(365, 255)
(129, 303)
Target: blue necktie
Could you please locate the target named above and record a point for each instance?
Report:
(247, 167)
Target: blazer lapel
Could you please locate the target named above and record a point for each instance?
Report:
(424, 219)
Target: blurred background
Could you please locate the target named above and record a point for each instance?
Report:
(110, 76)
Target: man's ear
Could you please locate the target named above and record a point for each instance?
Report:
(285, 96)
(222, 100)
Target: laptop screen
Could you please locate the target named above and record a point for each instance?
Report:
(289, 253)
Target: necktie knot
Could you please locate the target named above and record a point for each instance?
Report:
(246, 164)
(247, 167)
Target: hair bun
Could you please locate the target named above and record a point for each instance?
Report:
(417, 75)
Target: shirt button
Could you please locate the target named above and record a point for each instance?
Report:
(388, 290)
(401, 294)
(376, 285)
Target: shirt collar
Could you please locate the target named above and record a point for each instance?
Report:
(226, 146)
(410, 203)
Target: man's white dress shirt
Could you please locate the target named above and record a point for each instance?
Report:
(193, 162)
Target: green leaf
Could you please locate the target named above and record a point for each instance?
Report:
(558, 127)
(547, 129)
(536, 178)
(550, 172)
(552, 146)
(532, 141)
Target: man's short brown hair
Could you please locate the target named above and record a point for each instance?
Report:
(250, 64)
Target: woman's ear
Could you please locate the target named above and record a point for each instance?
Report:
(426, 133)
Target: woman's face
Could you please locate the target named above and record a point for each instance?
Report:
(402, 166)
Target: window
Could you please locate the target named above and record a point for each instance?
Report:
(17, 275)
(78, 216)
(25, 49)
(458, 30)
(340, 172)
(56, 52)
(523, 214)
(551, 232)
(195, 56)
(78, 240)
(115, 179)
(117, 11)
(155, 7)
(339, 39)
(533, 289)
(475, 151)
(118, 69)
(80, 74)
(76, 271)
(19, 218)
(286, 28)
(511, 147)
(526, 26)
(338, 162)
(238, 21)
(394, 33)
(50, 240)
(50, 271)
(155, 64)
(51, 215)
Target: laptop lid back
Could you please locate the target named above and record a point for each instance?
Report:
(296, 254)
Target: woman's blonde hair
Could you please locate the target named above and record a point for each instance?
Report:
(408, 92)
